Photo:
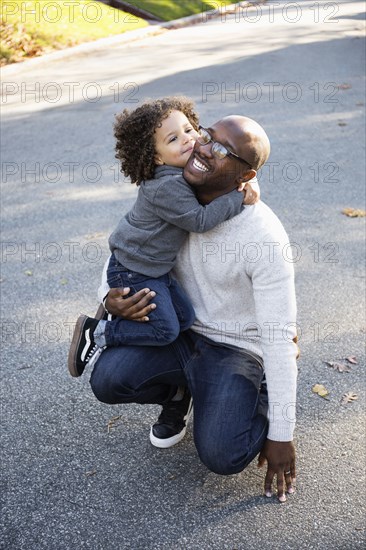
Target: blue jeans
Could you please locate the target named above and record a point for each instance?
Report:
(230, 404)
(173, 313)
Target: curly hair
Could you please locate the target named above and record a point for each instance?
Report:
(134, 132)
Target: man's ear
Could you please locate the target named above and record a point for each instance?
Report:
(246, 177)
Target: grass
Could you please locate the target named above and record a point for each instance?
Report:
(170, 9)
(32, 28)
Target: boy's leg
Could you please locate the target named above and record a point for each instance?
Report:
(230, 423)
(162, 328)
(92, 336)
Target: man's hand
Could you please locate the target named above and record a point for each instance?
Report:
(280, 458)
(134, 308)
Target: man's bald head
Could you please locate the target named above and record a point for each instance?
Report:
(249, 139)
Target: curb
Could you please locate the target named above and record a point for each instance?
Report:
(126, 37)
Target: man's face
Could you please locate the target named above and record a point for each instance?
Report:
(204, 170)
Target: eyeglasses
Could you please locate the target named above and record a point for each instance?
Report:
(218, 150)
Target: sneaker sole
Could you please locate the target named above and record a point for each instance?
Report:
(170, 441)
(78, 332)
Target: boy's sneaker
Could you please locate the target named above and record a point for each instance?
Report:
(83, 350)
(172, 423)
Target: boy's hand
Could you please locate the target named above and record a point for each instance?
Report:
(133, 308)
(251, 191)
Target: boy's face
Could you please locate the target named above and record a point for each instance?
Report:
(174, 140)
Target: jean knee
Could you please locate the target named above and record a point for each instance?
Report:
(167, 333)
(222, 458)
(100, 385)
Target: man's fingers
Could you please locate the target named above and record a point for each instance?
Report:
(293, 472)
(142, 314)
(261, 461)
(268, 483)
(288, 479)
(280, 487)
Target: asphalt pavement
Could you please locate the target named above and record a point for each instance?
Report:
(76, 473)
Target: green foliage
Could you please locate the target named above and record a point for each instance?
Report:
(33, 27)
(170, 9)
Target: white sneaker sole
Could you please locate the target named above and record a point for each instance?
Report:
(170, 441)
(166, 443)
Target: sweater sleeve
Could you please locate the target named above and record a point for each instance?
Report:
(275, 307)
(176, 203)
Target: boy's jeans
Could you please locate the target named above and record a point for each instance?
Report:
(229, 430)
(172, 315)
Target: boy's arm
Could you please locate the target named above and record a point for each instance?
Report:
(175, 202)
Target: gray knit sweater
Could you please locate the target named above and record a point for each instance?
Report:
(240, 280)
(149, 237)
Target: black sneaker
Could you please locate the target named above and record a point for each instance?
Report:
(172, 423)
(83, 350)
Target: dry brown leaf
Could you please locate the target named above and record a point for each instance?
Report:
(112, 422)
(352, 359)
(348, 397)
(354, 212)
(344, 86)
(94, 236)
(320, 390)
(340, 367)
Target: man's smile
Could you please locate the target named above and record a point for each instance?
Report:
(198, 165)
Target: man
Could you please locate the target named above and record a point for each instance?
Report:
(239, 277)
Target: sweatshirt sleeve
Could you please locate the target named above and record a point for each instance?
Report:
(175, 202)
(275, 306)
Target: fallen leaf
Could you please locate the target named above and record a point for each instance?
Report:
(340, 367)
(348, 397)
(354, 212)
(112, 422)
(94, 236)
(320, 390)
(352, 359)
(342, 123)
(91, 473)
(63, 281)
(28, 272)
(344, 86)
